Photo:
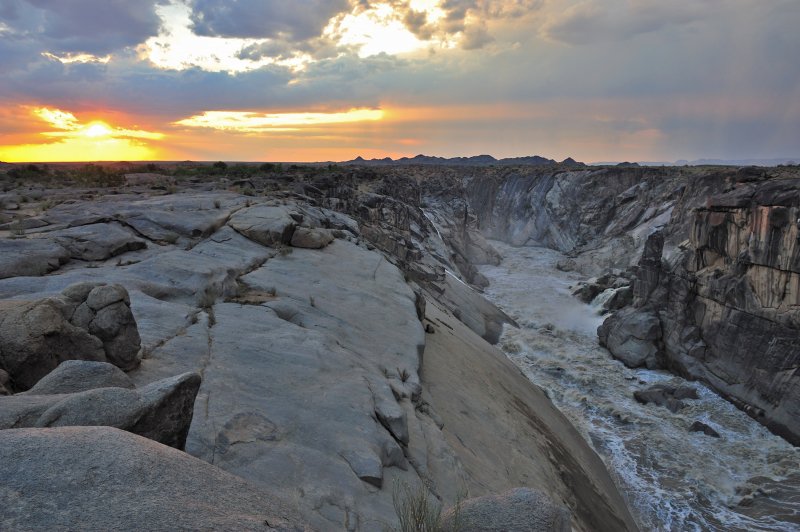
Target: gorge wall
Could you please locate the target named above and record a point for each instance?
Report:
(711, 256)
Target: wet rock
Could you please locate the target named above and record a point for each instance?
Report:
(632, 337)
(72, 376)
(521, 509)
(699, 426)
(161, 411)
(71, 476)
(666, 396)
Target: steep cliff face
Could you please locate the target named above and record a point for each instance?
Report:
(712, 254)
(728, 301)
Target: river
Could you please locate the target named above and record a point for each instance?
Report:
(672, 479)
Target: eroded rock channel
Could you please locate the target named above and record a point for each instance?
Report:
(323, 340)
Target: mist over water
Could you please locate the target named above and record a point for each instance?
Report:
(673, 479)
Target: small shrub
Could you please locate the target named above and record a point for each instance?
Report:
(418, 511)
(217, 204)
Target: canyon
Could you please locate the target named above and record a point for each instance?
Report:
(318, 338)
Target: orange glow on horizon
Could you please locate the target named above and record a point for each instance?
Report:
(70, 140)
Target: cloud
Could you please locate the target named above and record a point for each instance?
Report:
(250, 122)
(81, 26)
(296, 20)
(593, 21)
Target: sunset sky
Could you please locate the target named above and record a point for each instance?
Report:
(315, 80)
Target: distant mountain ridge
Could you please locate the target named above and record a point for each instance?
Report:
(707, 162)
(477, 160)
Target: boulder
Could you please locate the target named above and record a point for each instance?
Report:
(699, 426)
(304, 237)
(35, 336)
(665, 395)
(105, 311)
(519, 509)
(88, 321)
(632, 336)
(268, 225)
(161, 411)
(101, 478)
(73, 376)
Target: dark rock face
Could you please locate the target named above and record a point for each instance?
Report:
(101, 478)
(89, 321)
(518, 509)
(727, 301)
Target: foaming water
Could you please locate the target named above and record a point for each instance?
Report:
(673, 479)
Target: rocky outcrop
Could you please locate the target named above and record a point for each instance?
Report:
(101, 478)
(73, 376)
(520, 509)
(88, 321)
(311, 357)
(161, 411)
(727, 301)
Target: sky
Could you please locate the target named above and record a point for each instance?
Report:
(316, 80)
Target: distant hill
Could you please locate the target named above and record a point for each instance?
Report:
(477, 160)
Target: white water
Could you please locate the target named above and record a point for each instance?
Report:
(672, 479)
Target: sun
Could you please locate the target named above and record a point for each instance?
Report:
(97, 130)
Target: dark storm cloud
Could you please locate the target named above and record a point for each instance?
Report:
(297, 19)
(88, 26)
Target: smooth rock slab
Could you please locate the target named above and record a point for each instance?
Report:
(101, 478)
(98, 241)
(30, 257)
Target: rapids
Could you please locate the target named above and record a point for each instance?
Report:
(673, 479)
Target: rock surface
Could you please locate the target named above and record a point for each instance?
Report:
(310, 357)
(632, 337)
(101, 478)
(727, 300)
(89, 321)
(73, 376)
(520, 509)
(161, 411)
